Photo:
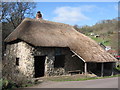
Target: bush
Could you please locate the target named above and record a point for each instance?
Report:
(0, 83)
(6, 85)
(9, 85)
(110, 32)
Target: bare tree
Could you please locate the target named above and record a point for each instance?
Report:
(12, 15)
(15, 12)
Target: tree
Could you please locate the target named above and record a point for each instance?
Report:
(76, 27)
(12, 15)
(15, 12)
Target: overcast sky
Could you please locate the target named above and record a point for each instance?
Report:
(80, 13)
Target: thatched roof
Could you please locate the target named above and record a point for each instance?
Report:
(53, 34)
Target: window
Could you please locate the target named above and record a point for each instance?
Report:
(59, 61)
(17, 61)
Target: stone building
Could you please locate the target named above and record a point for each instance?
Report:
(39, 48)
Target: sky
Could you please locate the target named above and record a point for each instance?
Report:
(78, 13)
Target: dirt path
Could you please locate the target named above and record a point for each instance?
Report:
(98, 83)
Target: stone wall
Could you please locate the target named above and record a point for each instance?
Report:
(22, 52)
(72, 62)
(49, 61)
(25, 53)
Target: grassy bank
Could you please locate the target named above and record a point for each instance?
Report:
(74, 78)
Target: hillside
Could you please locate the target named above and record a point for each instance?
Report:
(104, 32)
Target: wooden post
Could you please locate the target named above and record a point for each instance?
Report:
(102, 69)
(85, 68)
(112, 70)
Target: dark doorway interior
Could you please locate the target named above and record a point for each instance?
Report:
(59, 61)
(99, 66)
(39, 66)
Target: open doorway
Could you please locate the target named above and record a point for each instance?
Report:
(59, 61)
(39, 66)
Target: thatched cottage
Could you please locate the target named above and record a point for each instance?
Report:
(39, 48)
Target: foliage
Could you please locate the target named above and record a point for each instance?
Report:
(15, 12)
(6, 85)
(9, 85)
(118, 68)
(0, 83)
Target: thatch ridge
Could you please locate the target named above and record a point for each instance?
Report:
(53, 34)
(46, 21)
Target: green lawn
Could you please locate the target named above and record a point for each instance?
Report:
(100, 40)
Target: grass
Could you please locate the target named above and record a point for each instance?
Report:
(79, 78)
(118, 68)
(100, 40)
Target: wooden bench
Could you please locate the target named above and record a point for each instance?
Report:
(74, 72)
